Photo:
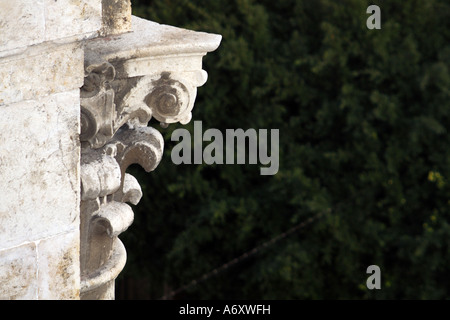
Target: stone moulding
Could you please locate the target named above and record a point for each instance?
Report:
(151, 72)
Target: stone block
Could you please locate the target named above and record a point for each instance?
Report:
(40, 71)
(28, 22)
(39, 166)
(22, 23)
(18, 271)
(59, 267)
(68, 18)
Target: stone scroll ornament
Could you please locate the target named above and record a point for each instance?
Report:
(115, 112)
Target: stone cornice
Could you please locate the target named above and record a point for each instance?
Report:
(149, 39)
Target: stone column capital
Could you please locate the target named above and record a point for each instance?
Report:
(153, 71)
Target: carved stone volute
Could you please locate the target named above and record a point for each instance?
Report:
(168, 98)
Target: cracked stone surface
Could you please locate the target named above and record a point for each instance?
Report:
(40, 181)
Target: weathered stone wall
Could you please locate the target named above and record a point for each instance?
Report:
(41, 72)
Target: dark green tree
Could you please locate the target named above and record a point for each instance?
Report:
(363, 118)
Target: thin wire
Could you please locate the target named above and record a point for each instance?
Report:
(245, 256)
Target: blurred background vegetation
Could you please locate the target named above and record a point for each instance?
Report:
(363, 118)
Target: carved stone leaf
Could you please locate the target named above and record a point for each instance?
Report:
(132, 192)
(100, 175)
(114, 217)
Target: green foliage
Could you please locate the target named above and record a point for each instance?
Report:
(363, 117)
